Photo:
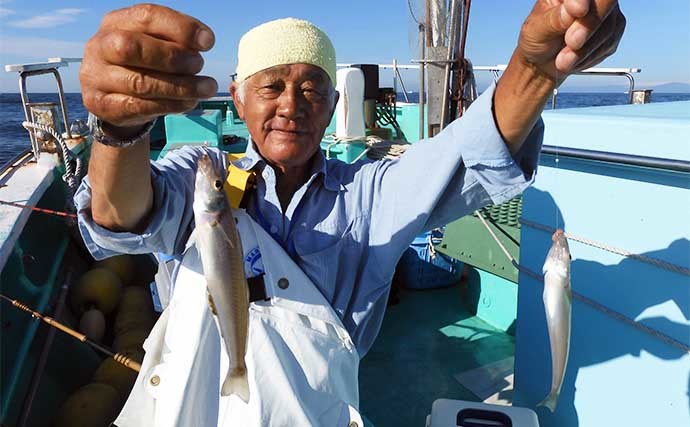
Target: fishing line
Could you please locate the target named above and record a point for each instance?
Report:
(557, 160)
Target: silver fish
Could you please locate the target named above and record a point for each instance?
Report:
(219, 246)
(557, 297)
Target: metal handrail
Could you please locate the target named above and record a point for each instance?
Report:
(627, 159)
(35, 69)
(497, 69)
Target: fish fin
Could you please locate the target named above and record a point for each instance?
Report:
(225, 235)
(236, 383)
(550, 401)
(192, 238)
(211, 304)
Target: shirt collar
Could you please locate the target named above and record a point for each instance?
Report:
(252, 159)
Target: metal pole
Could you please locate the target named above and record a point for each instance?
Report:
(451, 45)
(422, 77)
(402, 85)
(395, 76)
(632, 86)
(63, 104)
(427, 23)
(25, 102)
(626, 159)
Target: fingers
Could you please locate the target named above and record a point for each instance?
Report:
(132, 111)
(143, 63)
(132, 49)
(602, 43)
(576, 8)
(163, 23)
(148, 84)
(585, 26)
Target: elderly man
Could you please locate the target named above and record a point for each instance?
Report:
(329, 234)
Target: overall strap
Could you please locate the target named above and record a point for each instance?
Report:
(238, 182)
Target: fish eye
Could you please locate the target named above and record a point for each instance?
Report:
(218, 184)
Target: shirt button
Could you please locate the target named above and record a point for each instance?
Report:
(155, 380)
(274, 229)
(283, 283)
(353, 424)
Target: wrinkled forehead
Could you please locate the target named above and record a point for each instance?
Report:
(296, 72)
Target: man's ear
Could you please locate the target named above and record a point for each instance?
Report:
(234, 88)
(336, 97)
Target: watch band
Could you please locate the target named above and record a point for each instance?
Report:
(96, 128)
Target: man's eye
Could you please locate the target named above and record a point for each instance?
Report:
(270, 90)
(312, 93)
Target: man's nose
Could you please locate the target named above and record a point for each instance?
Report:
(291, 104)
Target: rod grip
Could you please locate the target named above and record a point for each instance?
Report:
(63, 328)
(130, 363)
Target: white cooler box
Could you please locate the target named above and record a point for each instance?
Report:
(460, 413)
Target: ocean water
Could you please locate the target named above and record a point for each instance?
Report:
(14, 138)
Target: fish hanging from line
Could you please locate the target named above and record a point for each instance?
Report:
(557, 305)
(219, 246)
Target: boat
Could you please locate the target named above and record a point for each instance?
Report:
(465, 321)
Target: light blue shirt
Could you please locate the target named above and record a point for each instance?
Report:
(348, 225)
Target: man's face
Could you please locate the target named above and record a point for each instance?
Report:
(287, 109)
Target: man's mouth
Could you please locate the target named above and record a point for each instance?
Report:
(288, 131)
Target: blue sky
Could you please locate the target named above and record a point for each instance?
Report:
(657, 37)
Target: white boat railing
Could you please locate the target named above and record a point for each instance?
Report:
(35, 69)
(497, 69)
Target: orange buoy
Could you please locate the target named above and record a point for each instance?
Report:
(92, 324)
(93, 405)
(98, 287)
(122, 265)
(115, 374)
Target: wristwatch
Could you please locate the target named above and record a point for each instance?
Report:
(96, 128)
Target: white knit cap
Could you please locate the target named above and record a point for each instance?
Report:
(281, 42)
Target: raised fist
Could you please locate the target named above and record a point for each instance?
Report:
(563, 36)
(142, 63)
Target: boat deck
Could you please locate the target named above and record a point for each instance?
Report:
(427, 339)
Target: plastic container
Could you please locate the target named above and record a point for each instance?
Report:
(348, 152)
(421, 267)
(460, 413)
(196, 126)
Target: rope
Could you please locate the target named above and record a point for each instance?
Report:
(643, 258)
(69, 177)
(377, 148)
(414, 18)
(500, 244)
(613, 313)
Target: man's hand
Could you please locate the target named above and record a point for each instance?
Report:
(142, 63)
(560, 37)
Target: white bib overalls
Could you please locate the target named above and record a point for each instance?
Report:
(301, 362)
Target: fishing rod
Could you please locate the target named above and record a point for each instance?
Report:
(120, 358)
(34, 208)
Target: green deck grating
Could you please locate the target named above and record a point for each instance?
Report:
(469, 241)
(425, 340)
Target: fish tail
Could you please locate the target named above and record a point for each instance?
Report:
(550, 401)
(236, 383)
